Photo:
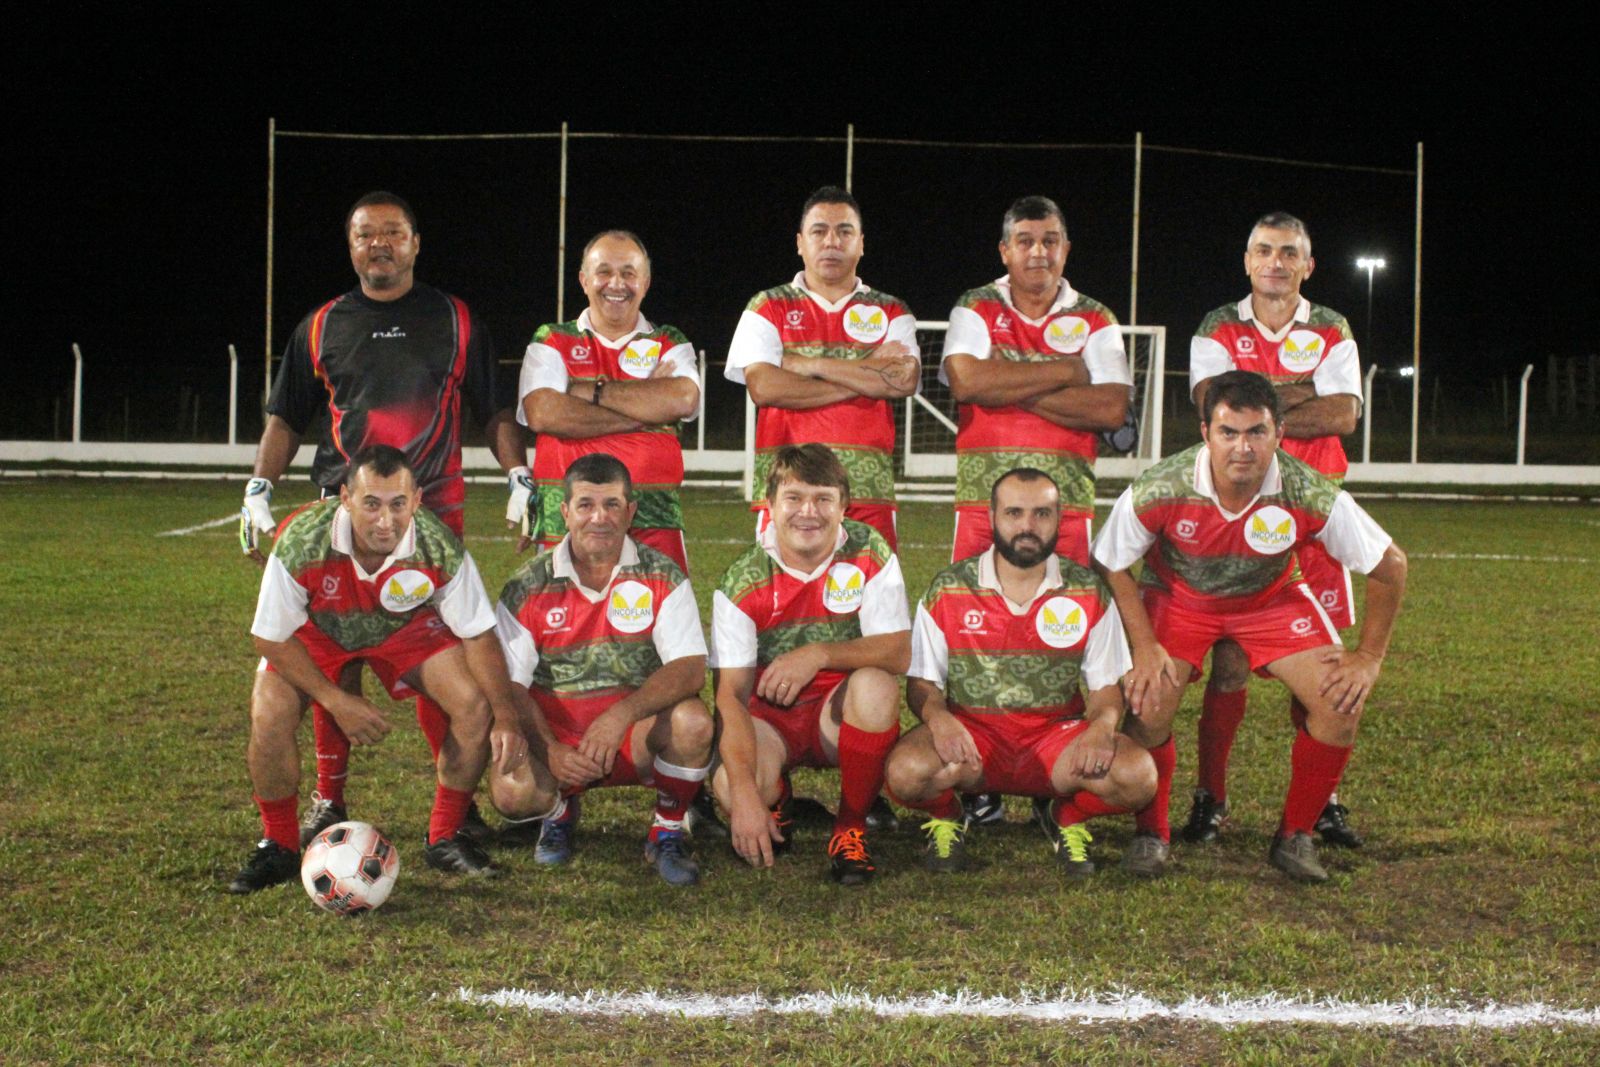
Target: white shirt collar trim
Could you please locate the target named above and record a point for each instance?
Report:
(1302, 314)
(769, 541)
(1066, 296)
(800, 284)
(586, 324)
(989, 578)
(562, 567)
(1271, 485)
(343, 540)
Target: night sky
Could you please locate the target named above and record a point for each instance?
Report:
(136, 216)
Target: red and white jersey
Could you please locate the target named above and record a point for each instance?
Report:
(986, 324)
(1316, 346)
(1211, 559)
(994, 656)
(793, 320)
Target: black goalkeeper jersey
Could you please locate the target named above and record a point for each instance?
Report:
(394, 373)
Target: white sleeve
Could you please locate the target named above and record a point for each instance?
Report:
(281, 606)
(685, 364)
(1207, 359)
(1353, 537)
(755, 340)
(516, 642)
(1106, 657)
(463, 604)
(677, 630)
(1106, 359)
(1339, 372)
(1123, 540)
(930, 653)
(542, 368)
(883, 602)
(903, 328)
(967, 335)
(733, 634)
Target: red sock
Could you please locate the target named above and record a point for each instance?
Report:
(1220, 716)
(944, 806)
(1083, 806)
(1297, 713)
(333, 755)
(434, 723)
(1316, 770)
(279, 822)
(1153, 817)
(861, 757)
(449, 812)
(675, 791)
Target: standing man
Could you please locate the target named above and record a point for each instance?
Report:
(809, 632)
(1219, 526)
(603, 639)
(1038, 370)
(391, 362)
(612, 382)
(1001, 644)
(373, 577)
(1309, 356)
(824, 355)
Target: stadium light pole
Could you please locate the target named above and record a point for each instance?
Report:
(1370, 264)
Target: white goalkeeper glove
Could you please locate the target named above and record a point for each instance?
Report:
(524, 498)
(255, 517)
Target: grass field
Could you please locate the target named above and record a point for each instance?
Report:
(124, 808)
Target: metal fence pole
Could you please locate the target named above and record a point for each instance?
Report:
(561, 236)
(700, 417)
(233, 395)
(1522, 416)
(77, 393)
(1366, 414)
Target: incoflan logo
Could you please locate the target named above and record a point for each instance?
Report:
(405, 590)
(640, 358)
(866, 323)
(1269, 531)
(1302, 350)
(842, 588)
(631, 609)
(1067, 335)
(1061, 622)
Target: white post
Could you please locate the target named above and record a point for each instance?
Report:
(849, 155)
(1133, 282)
(233, 395)
(1366, 414)
(1522, 416)
(77, 393)
(906, 445)
(749, 446)
(272, 174)
(1416, 317)
(561, 236)
(700, 419)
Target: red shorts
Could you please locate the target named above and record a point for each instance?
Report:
(799, 726)
(1290, 622)
(666, 540)
(974, 536)
(881, 517)
(1019, 750)
(403, 651)
(1330, 581)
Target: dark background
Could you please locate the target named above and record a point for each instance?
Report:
(135, 219)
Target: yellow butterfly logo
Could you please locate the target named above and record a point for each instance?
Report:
(1074, 617)
(1258, 526)
(399, 591)
(851, 584)
(621, 604)
(1077, 331)
(1294, 350)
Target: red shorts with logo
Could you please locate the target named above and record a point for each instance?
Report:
(400, 653)
(1330, 580)
(800, 727)
(667, 541)
(1020, 749)
(974, 535)
(1290, 622)
(880, 517)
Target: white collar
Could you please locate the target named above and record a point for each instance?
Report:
(769, 541)
(1066, 296)
(1302, 314)
(586, 324)
(1271, 485)
(343, 539)
(989, 578)
(562, 567)
(800, 284)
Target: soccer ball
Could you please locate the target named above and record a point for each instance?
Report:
(349, 868)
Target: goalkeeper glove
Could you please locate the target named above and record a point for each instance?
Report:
(255, 517)
(522, 507)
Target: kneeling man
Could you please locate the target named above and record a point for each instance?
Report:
(373, 577)
(809, 634)
(1001, 643)
(603, 641)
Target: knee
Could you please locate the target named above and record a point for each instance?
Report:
(909, 771)
(693, 728)
(522, 794)
(275, 711)
(1133, 776)
(469, 716)
(1332, 728)
(872, 700)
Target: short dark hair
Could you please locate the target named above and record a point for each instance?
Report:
(597, 468)
(621, 235)
(383, 460)
(1031, 209)
(812, 464)
(829, 194)
(1242, 390)
(1021, 474)
(373, 199)
(1282, 220)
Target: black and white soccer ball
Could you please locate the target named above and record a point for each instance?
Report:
(349, 868)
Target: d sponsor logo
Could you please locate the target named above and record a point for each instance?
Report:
(1067, 335)
(640, 358)
(1302, 626)
(631, 609)
(1185, 529)
(580, 353)
(1245, 345)
(842, 588)
(555, 618)
(973, 619)
(795, 318)
(866, 323)
(1328, 598)
(1302, 350)
(1270, 531)
(1061, 622)
(330, 585)
(1002, 321)
(406, 590)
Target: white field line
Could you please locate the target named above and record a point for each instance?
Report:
(1080, 1008)
(184, 531)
